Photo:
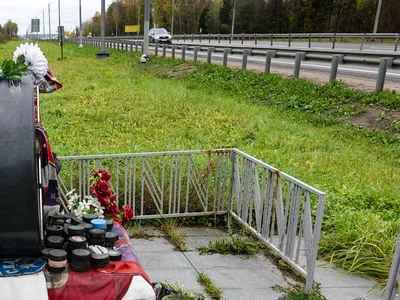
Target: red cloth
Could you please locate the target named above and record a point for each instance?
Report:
(108, 283)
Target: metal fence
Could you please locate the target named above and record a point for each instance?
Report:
(392, 287)
(283, 212)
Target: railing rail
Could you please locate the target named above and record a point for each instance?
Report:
(283, 212)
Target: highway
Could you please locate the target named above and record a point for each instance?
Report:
(370, 46)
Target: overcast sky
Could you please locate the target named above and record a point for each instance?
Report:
(22, 11)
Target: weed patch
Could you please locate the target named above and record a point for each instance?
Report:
(234, 244)
(296, 292)
(174, 233)
(209, 286)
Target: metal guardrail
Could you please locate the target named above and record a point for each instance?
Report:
(334, 38)
(274, 206)
(336, 57)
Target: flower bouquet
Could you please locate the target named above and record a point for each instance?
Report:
(102, 203)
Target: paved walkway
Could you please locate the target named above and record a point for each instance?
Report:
(239, 277)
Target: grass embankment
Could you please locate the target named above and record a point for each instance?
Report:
(118, 106)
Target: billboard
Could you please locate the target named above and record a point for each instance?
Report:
(35, 25)
(132, 28)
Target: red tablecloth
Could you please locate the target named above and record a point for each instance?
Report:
(108, 283)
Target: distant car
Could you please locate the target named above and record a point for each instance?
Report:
(159, 35)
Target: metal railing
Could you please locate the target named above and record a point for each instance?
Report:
(392, 286)
(283, 212)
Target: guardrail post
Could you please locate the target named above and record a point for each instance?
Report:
(225, 59)
(136, 46)
(209, 51)
(184, 52)
(219, 38)
(242, 38)
(164, 50)
(268, 59)
(131, 46)
(200, 37)
(289, 40)
(397, 43)
(309, 40)
(272, 39)
(255, 39)
(230, 39)
(297, 62)
(380, 79)
(244, 58)
(184, 37)
(362, 42)
(334, 41)
(173, 51)
(192, 37)
(195, 50)
(156, 49)
(336, 58)
(178, 38)
(209, 37)
(142, 48)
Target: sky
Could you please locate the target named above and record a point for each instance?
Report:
(22, 11)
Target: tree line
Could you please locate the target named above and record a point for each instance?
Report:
(251, 16)
(7, 31)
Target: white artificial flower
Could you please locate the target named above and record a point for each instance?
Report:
(34, 58)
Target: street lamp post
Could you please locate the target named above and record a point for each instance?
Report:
(49, 23)
(103, 53)
(172, 22)
(233, 16)
(146, 27)
(378, 13)
(80, 24)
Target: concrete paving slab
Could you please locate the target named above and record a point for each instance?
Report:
(185, 277)
(152, 245)
(349, 293)
(204, 231)
(253, 294)
(163, 260)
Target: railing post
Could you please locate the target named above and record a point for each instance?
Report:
(184, 37)
(289, 40)
(242, 38)
(184, 52)
(225, 58)
(142, 48)
(164, 50)
(177, 38)
(244, 58)
(297, 62)
(380, 79)
(156, 49)
(397, 43)
(362, 42)
(173, 51)
(200, 37)
(192, 37)
(195, 50)
(136, 46)
(268, 59)
(394, 270)
(255, 39)
(209, 51)
(334, 66)
(219, 38)
(272, 39)
(309, 40)
(131, 46)
(209, 38)
(334, 41)
(230, 39)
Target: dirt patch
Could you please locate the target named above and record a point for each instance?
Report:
(376, 118)
(181, 71)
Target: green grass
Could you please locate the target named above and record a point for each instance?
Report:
(136, 230)
(119, 106)
(234, 244)
(296, 292)
(209, 286)
(174, 233)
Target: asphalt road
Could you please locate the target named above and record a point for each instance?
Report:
(370, 46)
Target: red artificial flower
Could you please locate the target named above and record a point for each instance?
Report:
(103, 174)
(102, 191)
(111, 208)
(127, 215)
